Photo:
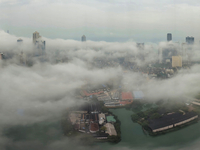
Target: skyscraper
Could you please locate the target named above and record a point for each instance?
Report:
(36, 36)
(39, 44)
(169, 37)
(190, 40)
(83, 38)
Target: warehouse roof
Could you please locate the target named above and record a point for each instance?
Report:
(168, 120)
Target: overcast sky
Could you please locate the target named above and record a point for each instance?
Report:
(102, 20)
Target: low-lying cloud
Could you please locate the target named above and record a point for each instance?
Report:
(42, 91)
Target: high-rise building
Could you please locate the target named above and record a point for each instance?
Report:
(36, 36)
(39, 44)
(190, 40)
(169, 37)
(83, 38)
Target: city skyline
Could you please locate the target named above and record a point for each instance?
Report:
(36, 36)
(110, 21)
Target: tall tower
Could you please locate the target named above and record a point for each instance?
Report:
(36, 35)
(169, 37)
(190, 40)
(83, 38)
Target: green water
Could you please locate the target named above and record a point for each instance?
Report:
(132, 134)
(134, 137)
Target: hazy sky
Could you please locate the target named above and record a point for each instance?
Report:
(106, 20)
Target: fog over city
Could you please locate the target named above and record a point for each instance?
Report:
(44, 90)
(122, 58)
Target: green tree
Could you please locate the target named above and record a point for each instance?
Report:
(103, 128)
(114, 139)
(135, 117)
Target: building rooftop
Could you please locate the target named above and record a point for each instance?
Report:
(102, 116)
(110, 129)
(94, 117)
(168, 120)
(94, 107)
(126, 96)
(126, 102)
(19, 39)
(88, 94)
(94, 127)
(110, 119)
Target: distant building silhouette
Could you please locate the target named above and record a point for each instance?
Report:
(19, 40)
(36, 36)
(39, 43)
(83, 38)
(1, 56)
(167, 52)
(140, 46)
(169, 37)
(190, 40)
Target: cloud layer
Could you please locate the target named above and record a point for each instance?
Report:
(41, 92)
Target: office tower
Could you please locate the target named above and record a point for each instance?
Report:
(36, 36)
(39, 44)
(83, 38)
(190, 40)
(169, 37)
(19, 40)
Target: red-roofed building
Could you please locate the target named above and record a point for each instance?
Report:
(126, 102)
(126, 96)
(94, 127)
